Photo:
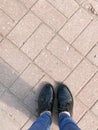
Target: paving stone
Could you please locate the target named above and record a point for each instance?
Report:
(38, 87)
(52, 65)
(2, 89)
(64, 52)
(45, 79)
(95, 108)
(37, 41)
(54, 126)
(10, 123)
(87, 39)
(80, 1)
(32, 98)
(7, 74)
(5, 24)
(48, 79)
(14, 8)
(49, 14)
(31, 102)
(89, 122)
(93, 55)
(75, 25)
(78, 110)
(26, 81)
(14, 109)
(28, 3)
(90, 93)
(13, 56)
(24, 29)
(32, 74)
(80, 76)
(29, 123)
(67, 7)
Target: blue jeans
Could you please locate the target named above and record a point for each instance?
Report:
(45, 120)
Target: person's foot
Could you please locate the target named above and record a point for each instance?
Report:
(46, 99)
(64, 99)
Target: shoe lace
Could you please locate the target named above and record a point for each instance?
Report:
(64, 107)
(45, 103)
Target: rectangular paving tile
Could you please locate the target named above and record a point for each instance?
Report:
(32, 103)
(14, 8)
(95, 108)
(28, 3)
(87, 39)
(13, 56)
(93, 55)
(90, 93)
(29, 123)
(64, 52)
(75, 25)
(49, 14)
(46, 79)
(67, 7)
(38, 87)
(89, 122)
(78, 110)
(80, 76)
(32, 98)
(2, 89)
(5, 24)
(24, 29)
(14, 109)
(26, 81)
(10, 123)
(37, 41)
(52, 65)
(7, 74)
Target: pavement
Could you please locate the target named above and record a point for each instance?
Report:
(48, 41)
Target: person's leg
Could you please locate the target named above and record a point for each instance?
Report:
(45, 107)
(65, 108)
(43, 122)
(66, 122)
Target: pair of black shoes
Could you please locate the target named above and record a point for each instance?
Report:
(64, 99)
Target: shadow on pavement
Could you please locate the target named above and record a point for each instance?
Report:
(18, 99)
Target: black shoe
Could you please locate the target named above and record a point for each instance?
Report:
(46, 98)
(64, 99)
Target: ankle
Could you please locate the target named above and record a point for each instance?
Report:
(49, 112)
(64, 112)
